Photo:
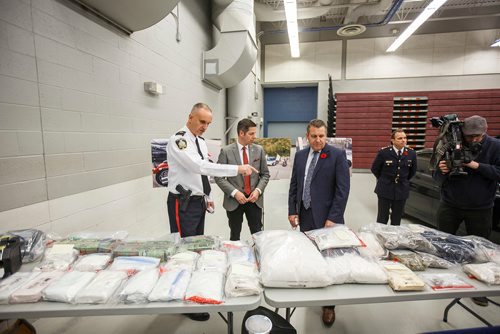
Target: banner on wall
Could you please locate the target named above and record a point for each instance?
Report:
(160, 162)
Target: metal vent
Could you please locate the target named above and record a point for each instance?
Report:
(351, 30)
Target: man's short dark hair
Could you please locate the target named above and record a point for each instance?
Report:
(398, 130)
(245, 125)
(317, 123)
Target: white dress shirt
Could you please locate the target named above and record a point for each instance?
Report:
(185, 164)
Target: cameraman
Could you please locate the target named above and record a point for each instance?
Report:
(471, 197)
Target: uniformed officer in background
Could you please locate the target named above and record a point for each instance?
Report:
(393, 167)
(188, 184)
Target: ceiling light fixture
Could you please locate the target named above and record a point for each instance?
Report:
(293, 30)
(496, 44)
(427, 12)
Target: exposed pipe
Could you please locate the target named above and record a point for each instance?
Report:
(390, 13)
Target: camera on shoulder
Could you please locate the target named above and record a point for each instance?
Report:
(450, 145)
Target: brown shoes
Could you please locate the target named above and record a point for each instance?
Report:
(328, 315)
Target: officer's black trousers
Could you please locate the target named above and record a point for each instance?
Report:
(396, 208)
(190, 222)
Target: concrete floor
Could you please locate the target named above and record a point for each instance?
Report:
(405, 317)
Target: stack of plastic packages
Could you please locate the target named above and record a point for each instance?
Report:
(243, 275)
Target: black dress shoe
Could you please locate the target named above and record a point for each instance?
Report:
(328, 316)
(198, 316)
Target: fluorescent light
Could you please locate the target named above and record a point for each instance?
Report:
(293, 30)
(428, 11)
(496, 43)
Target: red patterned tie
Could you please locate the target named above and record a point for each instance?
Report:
(246, 179)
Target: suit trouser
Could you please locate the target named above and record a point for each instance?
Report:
(396, 207)
(477, 222)
(253, 214)
(190, 222)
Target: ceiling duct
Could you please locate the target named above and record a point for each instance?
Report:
(235, 52)
(351, 30)
(130, 15)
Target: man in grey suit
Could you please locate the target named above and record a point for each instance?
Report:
(244, 194)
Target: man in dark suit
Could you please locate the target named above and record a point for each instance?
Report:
(319, 188)
(244, 194)
(393, 167)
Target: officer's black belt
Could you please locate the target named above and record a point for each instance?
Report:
(193, 197)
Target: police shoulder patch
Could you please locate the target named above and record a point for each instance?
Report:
(180, 133)
(181, 143)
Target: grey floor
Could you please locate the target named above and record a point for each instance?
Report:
(406, 317)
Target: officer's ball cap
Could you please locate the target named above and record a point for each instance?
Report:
(474, 125)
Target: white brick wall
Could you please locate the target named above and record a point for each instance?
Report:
(74, 117)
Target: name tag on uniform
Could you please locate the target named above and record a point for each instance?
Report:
(388, 162)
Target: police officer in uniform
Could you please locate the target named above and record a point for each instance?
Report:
(393, 167)
(188, 185)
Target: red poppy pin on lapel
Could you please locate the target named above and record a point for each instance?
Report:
(322, 156)
(405, 152)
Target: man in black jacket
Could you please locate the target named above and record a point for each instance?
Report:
(470, 198)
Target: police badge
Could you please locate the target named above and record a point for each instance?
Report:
(181, 143)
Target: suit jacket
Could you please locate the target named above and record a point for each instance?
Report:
(257, 159)
(393, 174)
(329, 185)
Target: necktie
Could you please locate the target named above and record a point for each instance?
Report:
(399, 154)
(306, 197)
(204, 178)
(246, 179)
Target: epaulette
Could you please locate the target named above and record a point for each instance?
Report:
(385, 147)
(408, 147)
(201, 137)
(180, 133)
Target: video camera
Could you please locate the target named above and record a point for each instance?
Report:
(450, 145)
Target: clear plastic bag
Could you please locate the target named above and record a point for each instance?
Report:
(58, 258)
(139, 286)
(133, 264)
(212, 260)
(14, 282)
(345, 265)
(206, 287)
(31, 291)
(102, 288)
(33, 244)
(401, 278)
(410, 259)
(172, 285)
(65, 289)
(242, 280)
(92, 262)
(338, 236)
(290, 259)
(486, 272)
(185, 260)
(399, 237)
(445, 282)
